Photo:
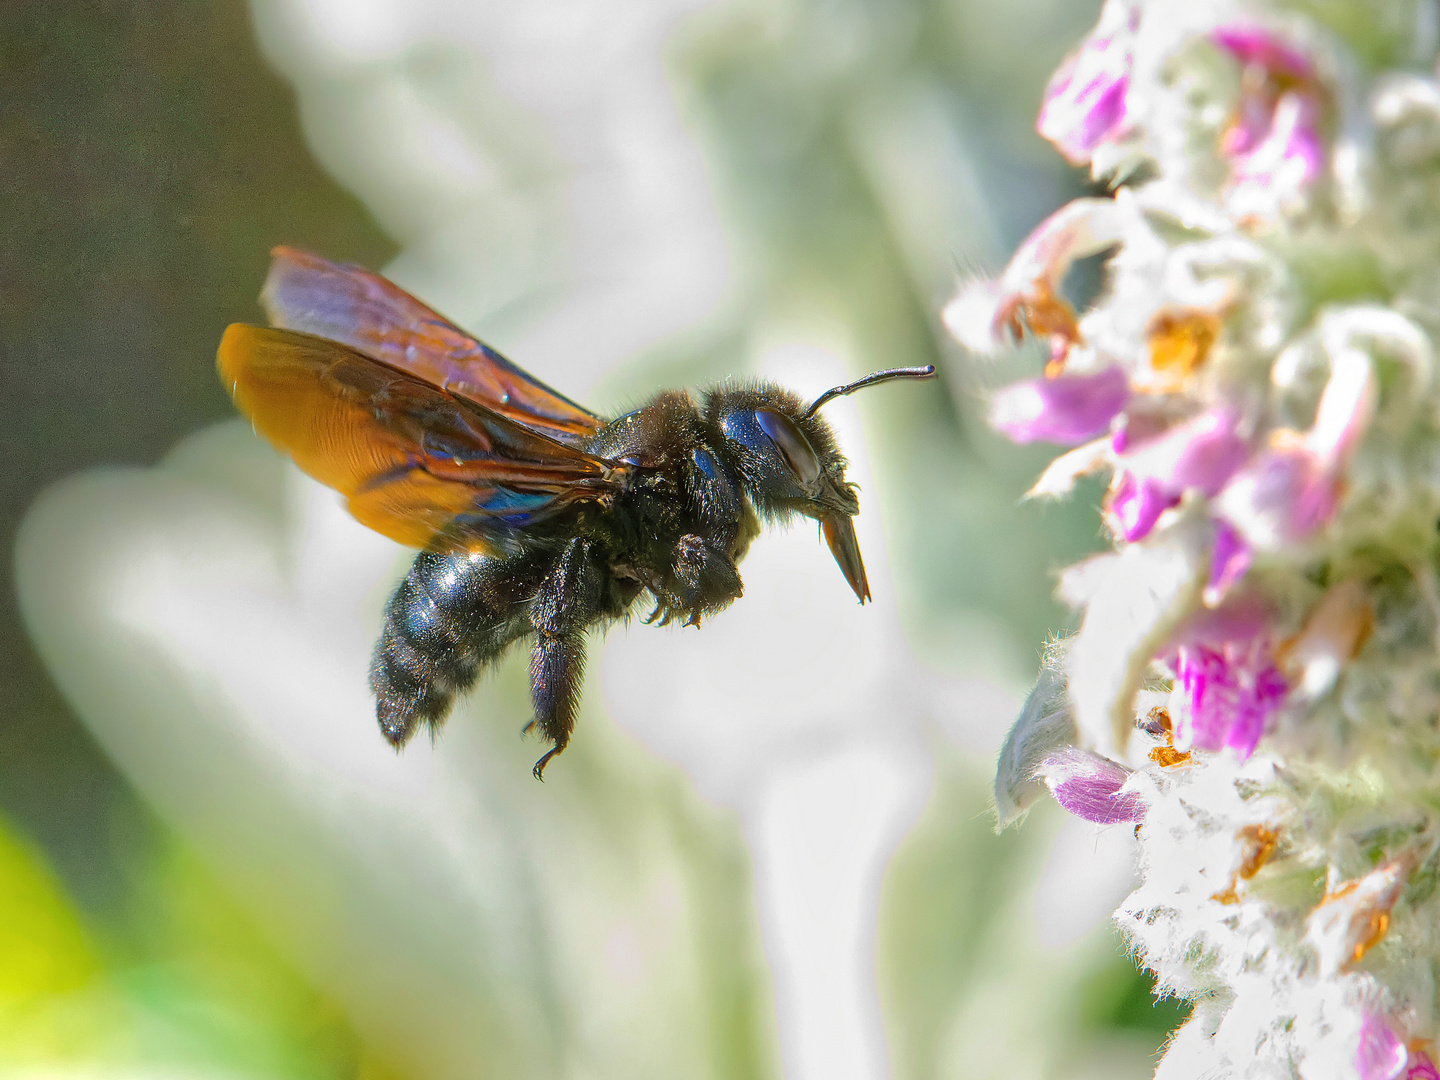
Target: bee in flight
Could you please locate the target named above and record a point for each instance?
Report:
(537, 518)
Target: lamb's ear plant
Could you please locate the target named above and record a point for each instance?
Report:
(1255, 683)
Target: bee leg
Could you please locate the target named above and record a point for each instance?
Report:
(539, 771)
(568, 600)
(557, 666)
(710, 578)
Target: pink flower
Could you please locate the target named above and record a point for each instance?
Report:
(1284, 163)
(1421, 1067)
(1230, 558)
(1284, 496)
(985, 315)
(1088, 786)
(1085, 102)
(1242, 619)
(1294, 488)
(1068, 409)
(1226, 681)
(1135, 506)
(1258, 48)
(1274, 140)
(1381, 1055)
(1200, 454)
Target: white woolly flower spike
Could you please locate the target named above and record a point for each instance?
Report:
(1256, 678)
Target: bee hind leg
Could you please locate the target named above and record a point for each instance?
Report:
(567, 602)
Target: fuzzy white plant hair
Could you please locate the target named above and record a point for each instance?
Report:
(1256, 676)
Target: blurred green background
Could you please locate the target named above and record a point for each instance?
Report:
(864, 155)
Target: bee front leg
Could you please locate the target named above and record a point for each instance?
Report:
(568, 600)
(710, 578)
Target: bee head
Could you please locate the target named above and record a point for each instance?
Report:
(789, 463)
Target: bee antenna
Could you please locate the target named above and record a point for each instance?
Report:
(870, 380)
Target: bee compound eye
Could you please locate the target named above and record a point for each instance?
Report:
(791, 443)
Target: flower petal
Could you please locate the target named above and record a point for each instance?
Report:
(985, 314)
(1283, 496)
(1381, 1054)
(1257, 45)
(1060, 475)
(1224, 697)
(1066, 410)
(1135, 506)
(1200, 454)
(1230, 558)
(1089, 786)
(1346, 408)
(1274, 142)
(1085, 101)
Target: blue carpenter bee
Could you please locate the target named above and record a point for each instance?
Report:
(537, 517)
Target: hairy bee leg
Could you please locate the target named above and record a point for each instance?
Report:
(567, 602)
(453, 613)
(557, 667)
(710, 578)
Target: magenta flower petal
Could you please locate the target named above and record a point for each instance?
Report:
(1136, 505)
(1230, 558)
(1274, 141)
(1200, 454)
(1277, 160)
(1085, 102)
(1255, 45)
(1381, 1054)
(1239, 622)
(985, 315)
(1421, 1067)
(1282, 496)
(1089, 786)
(1205, 452)
(1065, 410)
(1290, 491)
(1228, 695)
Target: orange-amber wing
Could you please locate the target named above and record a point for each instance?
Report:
(350, 304)
(418, 464)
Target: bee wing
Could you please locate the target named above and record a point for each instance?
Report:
(420, 465)
(350, 304)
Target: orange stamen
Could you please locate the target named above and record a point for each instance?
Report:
(1180, 342)
(1379, 924)
(1260, 845)
(1165, 756)
(1229, 896)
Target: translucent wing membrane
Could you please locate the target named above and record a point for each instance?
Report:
(351, 305)
(417, 463)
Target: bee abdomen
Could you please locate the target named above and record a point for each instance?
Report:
(453, 613)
